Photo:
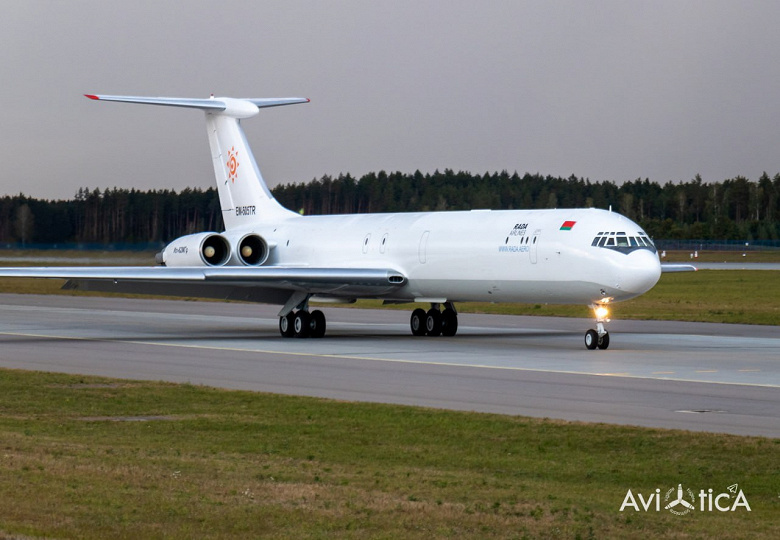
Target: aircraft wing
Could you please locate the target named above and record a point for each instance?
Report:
(340, 281)
(672, 267)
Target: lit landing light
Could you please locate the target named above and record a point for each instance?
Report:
(601, 313)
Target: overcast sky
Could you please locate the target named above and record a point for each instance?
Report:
(604, 90)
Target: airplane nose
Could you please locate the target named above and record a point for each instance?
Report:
(640, 273)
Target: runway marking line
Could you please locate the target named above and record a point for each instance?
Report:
(375, 359)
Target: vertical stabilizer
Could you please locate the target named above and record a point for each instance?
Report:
(243, 194)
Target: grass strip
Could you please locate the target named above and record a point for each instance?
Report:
(90, 457)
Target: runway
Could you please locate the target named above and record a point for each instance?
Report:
(695, 376)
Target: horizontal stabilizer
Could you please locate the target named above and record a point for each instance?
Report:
(205, 104)
(247, 107)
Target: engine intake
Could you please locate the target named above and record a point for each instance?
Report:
(215, 250)
(252, 250)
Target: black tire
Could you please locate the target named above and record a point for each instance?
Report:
(417, 322)
(591, 339)
(286, 325)
(449, 322)
(603, 342)
(433, 322)
(301, 325)
(317, 324)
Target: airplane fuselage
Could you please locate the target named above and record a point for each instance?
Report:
(479, 255)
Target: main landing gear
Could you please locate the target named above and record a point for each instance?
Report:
(435, 322)
(303, 324)
(598, 338)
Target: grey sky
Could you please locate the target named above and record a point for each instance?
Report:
(604, 90)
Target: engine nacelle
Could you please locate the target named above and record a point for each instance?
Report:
(202, 249)
(252, 250)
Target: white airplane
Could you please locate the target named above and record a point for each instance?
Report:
(272, 255)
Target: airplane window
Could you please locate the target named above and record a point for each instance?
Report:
(601, 233)
(622, 241)
(641, 241)
(622, 233)
(634, 242)
(534, 239)
(610, 242)
(595, 241)
(603, 241)
(648, 241)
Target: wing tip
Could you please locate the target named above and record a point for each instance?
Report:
(92, 96)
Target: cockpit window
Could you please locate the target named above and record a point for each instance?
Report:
(620, 241)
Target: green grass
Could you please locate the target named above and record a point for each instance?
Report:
(56, 257)
(723, 296)
(228, 464)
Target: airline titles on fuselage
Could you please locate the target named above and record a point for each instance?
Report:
(518, 230)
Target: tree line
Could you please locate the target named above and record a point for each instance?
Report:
(108, 217)
(734, 209)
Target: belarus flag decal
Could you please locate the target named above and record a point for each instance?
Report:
(567, 225)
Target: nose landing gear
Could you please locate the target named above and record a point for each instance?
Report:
(598, 338)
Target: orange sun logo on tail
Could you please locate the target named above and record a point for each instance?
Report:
(232, 164)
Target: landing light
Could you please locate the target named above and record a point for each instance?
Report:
(601, 313)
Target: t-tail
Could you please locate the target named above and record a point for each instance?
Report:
(243, 194)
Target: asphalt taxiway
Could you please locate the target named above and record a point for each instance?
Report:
(695, 376)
